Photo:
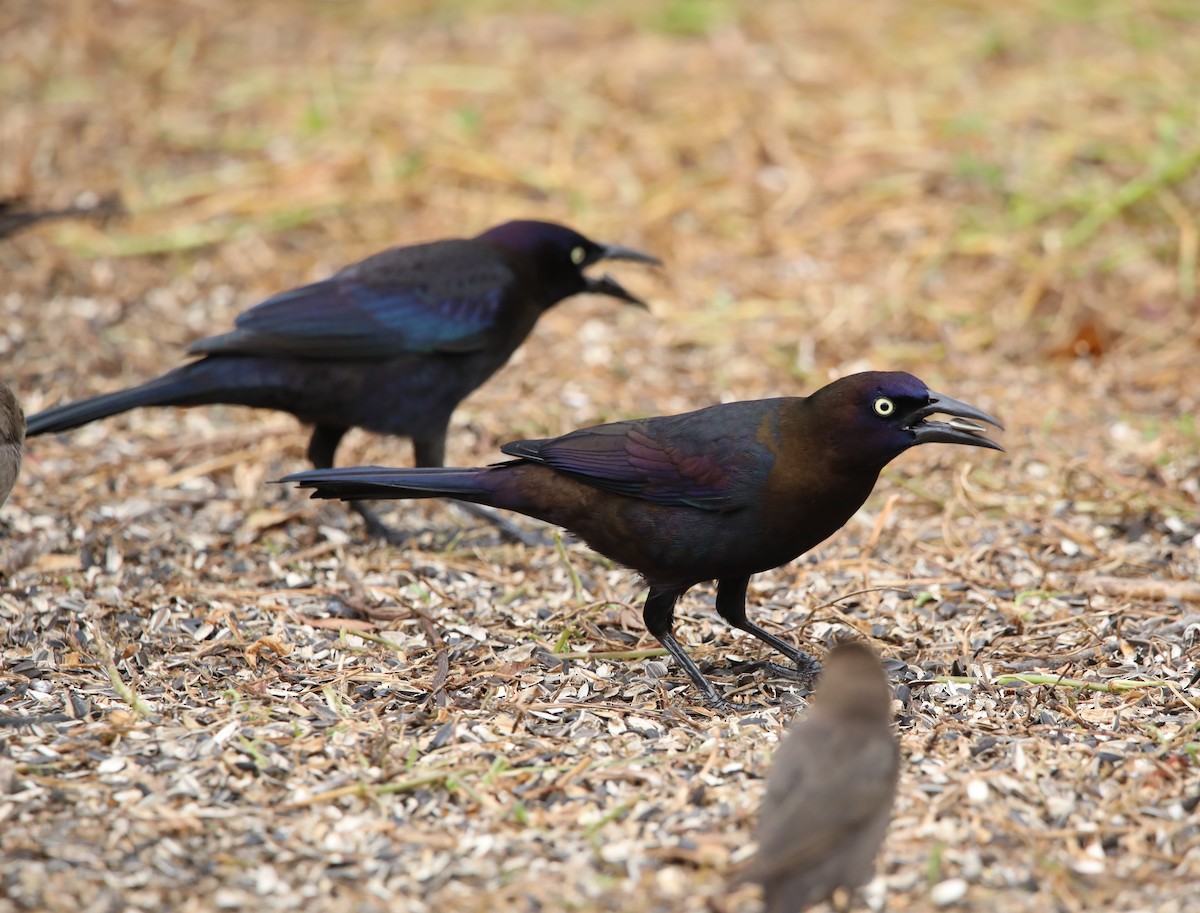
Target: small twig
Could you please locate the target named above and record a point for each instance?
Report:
(883, 588)
(559, 782)
(356, 599)
(365, 790)
(576, 583)
(334, 702)
(1189, 241)
(442, 653)
(920, 491)
(615, 814)
(373, 638)
(614, 654)
(1112, 686)
(1112, 205)
(1143, 588)
(125, 691)
(1032, 663)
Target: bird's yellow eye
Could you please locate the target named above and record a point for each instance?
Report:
(578, 254)
(884, 406)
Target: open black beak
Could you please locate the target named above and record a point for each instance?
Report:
(964, 426)
(607, 285)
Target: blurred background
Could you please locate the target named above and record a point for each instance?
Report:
(945, 187)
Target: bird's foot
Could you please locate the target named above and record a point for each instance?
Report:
(804, 673)
(807, 674)
(719, 703)
(807, 665)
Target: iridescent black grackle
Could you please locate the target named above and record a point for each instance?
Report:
(391, 344)
(721, 493)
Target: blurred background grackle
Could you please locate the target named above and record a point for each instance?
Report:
(721, 493)
(391, 344)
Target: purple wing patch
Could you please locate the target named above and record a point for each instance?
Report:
(646, 460)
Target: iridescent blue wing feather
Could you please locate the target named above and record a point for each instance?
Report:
(388, 305)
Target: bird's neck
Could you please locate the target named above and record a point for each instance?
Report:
(812, 492)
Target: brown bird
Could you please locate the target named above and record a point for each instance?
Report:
(829, 794)
(12, 437)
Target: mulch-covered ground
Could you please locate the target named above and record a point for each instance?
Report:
(251, 706)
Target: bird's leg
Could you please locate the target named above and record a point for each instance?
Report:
(659, 615)
(321, 447)
(731, 605)
(431, 451)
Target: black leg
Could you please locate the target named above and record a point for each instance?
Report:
(659, 615)
(323, 445)
(321, 448)
(731, 605)
(431, 451)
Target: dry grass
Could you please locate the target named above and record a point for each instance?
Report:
(263, 710)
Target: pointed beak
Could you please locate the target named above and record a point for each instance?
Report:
(967, 424)
(616, 252)
(607, 285)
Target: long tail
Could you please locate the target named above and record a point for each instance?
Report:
(358, 482)
(168, 390)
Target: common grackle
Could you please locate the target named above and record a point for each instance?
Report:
(720, 493)
(12, 436)
(391, 344)
(829, 794)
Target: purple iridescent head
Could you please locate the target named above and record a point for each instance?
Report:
(880, 414)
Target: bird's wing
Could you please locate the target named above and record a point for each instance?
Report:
(382, 307)
(816, 803)
(678, 460)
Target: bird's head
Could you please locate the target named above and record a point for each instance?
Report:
(554, 258)
(853, 684)
(875, 416)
